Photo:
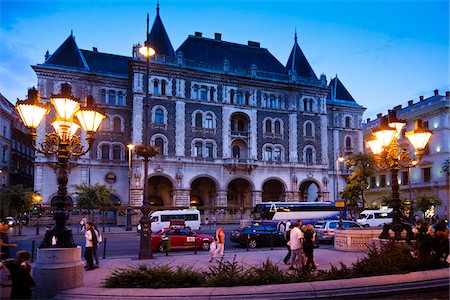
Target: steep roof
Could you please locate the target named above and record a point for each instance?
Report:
(69, 56)
(338, 91)
(158, 38)
(298, 62)
(215, 51)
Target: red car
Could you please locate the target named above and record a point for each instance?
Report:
(181, 239)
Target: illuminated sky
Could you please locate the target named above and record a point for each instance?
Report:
(385, 52)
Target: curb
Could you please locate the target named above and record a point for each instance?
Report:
(361, 287)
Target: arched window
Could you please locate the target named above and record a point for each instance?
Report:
(117, 124)
(209, 121)
(308, 105)
(112, 97)
(240, 124)
(198, 120)
(277, 154)
(198, 149)
(209, 150)
(155, 87)
(204, 93)
(278, 103)
(195, 94)
(268, 126)
(159, 116)
(309, 156)
(117, 150)
(272, 102)
(232, 92)
(277, 127)
(268, 154)
(105, 125)
(103, 97)
(347, 122)
(159, 143)
(163, 87)
(211, 93)
(348, 142)
(264, 101)
(239, 98)
(308, 129)
(236, 152)
(120, 99)
(105, 151)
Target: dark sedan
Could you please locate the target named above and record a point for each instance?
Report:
(258, 235)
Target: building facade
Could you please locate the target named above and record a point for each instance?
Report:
(6, 117)
(234, 126)
(428, 177)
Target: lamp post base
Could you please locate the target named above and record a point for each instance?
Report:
(397, 228)
(145, 248)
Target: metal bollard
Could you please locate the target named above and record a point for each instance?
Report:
(32, 249)
(104, 248)
(195, 245)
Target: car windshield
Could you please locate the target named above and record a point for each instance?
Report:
(364, 216)
(319, 225)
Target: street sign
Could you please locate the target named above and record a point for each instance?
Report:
(339, 204)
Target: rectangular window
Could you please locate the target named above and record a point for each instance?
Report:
(120, 99)
(198, 150)
(426, 174)
(112, 98)
(382, 180)
(209, 150)
(373, 182)
(405, 178)
(204, 94)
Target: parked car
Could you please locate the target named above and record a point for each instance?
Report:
(325, 229)
(258, 235)
(181, 239)
(375, 217)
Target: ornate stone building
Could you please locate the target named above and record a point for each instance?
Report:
(234, 126)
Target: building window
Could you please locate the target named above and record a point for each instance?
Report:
(405, 178)
(240, 125)
(116, 152)
(117, 125)
(103, 97)
(308, 105)
(209, 150)
(105, 151)
(198, 149)
(272, 102)
(247, 98)
(277, 154)
(268, 154)
(105, 125)
(198, 120)
(264, 101)
(309, 156)
(373, 182)
(382, 180)
(195, 92)
(268, 126)
(155, 87)
(426, 150)
(211, 93)
(347, 122)
(112, 98)
(426, 174)
(4, 155)
(209, 121)
(120, 99)
(239, 98)
(232, 92)
(204, 93)
(278, 103)
(236, 152)
(308, 129)
(163, 87)
(277, 127)
(159, 143)
(159, 116)
(348, 142)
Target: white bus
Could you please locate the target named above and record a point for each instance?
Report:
(161, 218)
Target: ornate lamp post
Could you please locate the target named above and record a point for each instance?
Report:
(37, 199)
(389, 156)
(146, 151)
(340, 204)
(63, 143)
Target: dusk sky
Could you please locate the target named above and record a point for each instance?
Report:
(384, 52)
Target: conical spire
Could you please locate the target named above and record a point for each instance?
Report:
(68, 55)
(338, 91)
(298, 62)
(159, 40)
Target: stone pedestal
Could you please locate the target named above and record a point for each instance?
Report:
(56, 270)
(354, 239)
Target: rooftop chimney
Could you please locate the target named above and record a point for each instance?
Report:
(410, 102)
(197, 33)
(254, 44)
(421, 98)
(436, 92)
(94, 49)
(218, 36)
(379, 115)
(398, 107)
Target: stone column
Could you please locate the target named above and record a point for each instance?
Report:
(181, 197)
(221, 199)
(293, 196)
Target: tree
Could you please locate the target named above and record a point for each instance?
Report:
(425, 202)
(92, 197)
(16, 200)
(362, 166)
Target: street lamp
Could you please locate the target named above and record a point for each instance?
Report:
(389, 156)
(37, 199)
(339, 203)
(130, 166)
(63, 143)
(146, 151)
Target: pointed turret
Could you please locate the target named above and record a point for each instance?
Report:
(338, 91)
(297, 62)
(68, 55)
(159, 40)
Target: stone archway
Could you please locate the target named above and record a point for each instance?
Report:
(273, 190)
(239, 193)
(203, 192)
(160, 190)
(310, 191)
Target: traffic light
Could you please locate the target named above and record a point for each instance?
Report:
(36, 207)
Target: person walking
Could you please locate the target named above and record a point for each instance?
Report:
(4, 241)
(308, 248)
(90, 241)
(220, 242)
(95, 246)
(296, 239)
(288, 224)
(21, 279)
(287, 237)
(83, 223)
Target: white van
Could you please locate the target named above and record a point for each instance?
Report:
(375, 217)
(161, 218)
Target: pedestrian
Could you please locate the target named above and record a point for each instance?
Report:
(83, 223)
(220, 241)
(308, 248)
(288, 224)
(95, 246)
(21, 279)
(90, 241)
(212, 250)
(287, 237)
(4, 241)
(282, 226)
(296, 239)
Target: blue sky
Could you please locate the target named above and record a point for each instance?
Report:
(385, 52)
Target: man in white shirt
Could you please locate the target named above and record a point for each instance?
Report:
(296, 246)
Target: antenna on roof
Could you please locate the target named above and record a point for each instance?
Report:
(295, 36)
(157, 8)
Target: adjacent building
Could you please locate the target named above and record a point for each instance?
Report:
(233, 124)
